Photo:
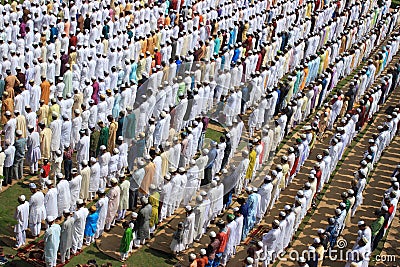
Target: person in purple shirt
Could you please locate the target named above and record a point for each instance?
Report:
(64, 62)
(22, 28)
(96, 88)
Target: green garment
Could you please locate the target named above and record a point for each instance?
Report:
(103, 138)
(94, 141)
(126, 240)
(2, 85)
(377, 225)
(348, 203)
(181, 91)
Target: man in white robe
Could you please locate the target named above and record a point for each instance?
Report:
(76, 127)
(66, 235)
(94, 178)
(180, 111)
(50, 200)
(37, 211)
(83, 147)
(79, 226)
(192, 182)
(55, 127)
(51, 242)
(335, 111)
(35, 92)
(102, 207)
(360, 254)
(290, 221)
(241, 170)
(63, 194)
(85, 173)
(165, 198)
(265, 192)
(104, 160)
(21, 215)
(270, 243)
(283, 229)
(201, 163)
(74, 187)
(188, 227)
(230, 245)
(66, 129)
(123, 154)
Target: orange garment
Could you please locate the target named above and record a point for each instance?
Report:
(143, 44)
(149, 173)
(303, 83)
(45, 96)
(150, 45)
(7, 105)
(167, 21)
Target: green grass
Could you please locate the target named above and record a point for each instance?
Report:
(9, 201)
(143, 257)
(213, 134)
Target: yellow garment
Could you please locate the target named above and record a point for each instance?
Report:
(78, 100)
(72, 58)
(84, 192)
(21, 124)
(320, 251)
(43, 114)
(154, 201)
(112, 129)
(252, 163)
(285, 170)
(105, 43)
(45, 142)
(164, 164)
(245, 29)
(54, 108)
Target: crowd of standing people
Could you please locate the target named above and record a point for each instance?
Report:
(111, 101)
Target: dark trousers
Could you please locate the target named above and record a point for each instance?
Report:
(67, 168)
(7, 171)
(377, 238)
(207, 176)
(224, 161)
(133, 196)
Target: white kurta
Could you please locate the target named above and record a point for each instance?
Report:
(63, 196)
(50, 202)
(102, 207)
(75, 188)
(79, 227)
(82, 148)
(94, 177)
(37, 211)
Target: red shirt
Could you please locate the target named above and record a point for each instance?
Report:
(223, 237)
(202, 262)
(318, 175)
(45, 170)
